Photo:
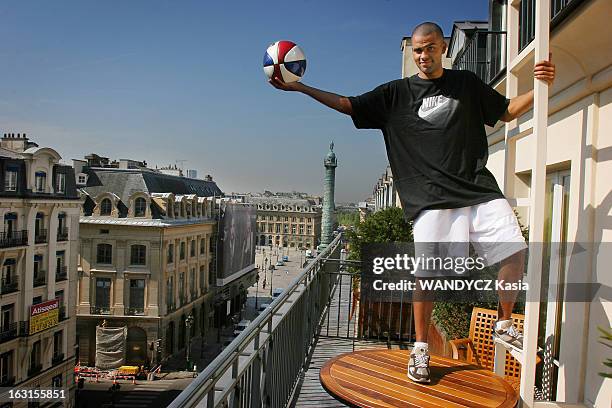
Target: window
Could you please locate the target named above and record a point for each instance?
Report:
(308, 230)
(138, 255)
(211, 276)
(6, 317)
(37, 300)
(192, 282)
(293, 229)
(170, 257)
(182, 251)
(170, 293)
(192, 249)
(82, 179)
(202, 277)
(202, 246)
(35, 355)
(140, 207)
(292, 219)
(105, 254)
(39, 226)
(137, 294)
(181, 288)
(8, 275)
(103, 286)
(58, 348)
(60, 183)
(6, 367)
(10, 179)
(285, 228)
(40, 181)
(301, 230)
(106, 207)
(278, 228)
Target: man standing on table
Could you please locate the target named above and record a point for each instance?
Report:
(433, 124)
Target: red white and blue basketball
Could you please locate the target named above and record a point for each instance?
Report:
(285, 60)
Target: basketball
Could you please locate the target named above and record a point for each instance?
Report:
(285, 60)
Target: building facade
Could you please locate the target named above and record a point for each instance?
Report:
(287, 222)
(40, 206)
(385, 194)
(553, 164)
(146, 252)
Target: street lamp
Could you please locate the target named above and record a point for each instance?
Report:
(188, 325)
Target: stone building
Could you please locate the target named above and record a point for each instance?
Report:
(287, 222)
(40, 206)
(147, 242)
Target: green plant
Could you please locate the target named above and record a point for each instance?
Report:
(606, 341)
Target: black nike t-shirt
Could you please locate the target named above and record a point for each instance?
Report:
(435, 137)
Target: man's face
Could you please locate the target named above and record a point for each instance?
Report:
(427, 51)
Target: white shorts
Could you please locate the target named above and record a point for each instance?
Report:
(491, 228)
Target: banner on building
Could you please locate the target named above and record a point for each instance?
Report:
(110, 347)
(44, 315)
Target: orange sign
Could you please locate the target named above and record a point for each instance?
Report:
(44, 315)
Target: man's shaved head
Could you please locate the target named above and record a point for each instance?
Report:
(427, 28)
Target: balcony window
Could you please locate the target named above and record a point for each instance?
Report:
(62, 230)
(106, 207)
(6, 369)
(10, 179)
(138, 255)
(103, 288)
(9, 281)
(105, 254)
(181, 288)
(40, 233)
(61, 271)
(59, 295)
(58, 345)
(8, 328)
(192, 248)
(140, 207)
(170, 256)
(293, 229)
(40, 181)
(137, 287)
(39, 274)
(202, 246)
(35, 359)
(202, 277)
(170, 293)
(182, 251)
(60, 183)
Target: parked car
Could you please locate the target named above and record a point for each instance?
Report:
(242, 325)
(285, 258)
(280, 263)
(277, 292)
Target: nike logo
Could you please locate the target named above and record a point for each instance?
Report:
(431, 105)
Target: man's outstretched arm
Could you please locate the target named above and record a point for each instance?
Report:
(543, 70)
(338, 102)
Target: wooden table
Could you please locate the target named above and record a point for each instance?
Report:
(377, 378)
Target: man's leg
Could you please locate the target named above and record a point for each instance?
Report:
(422, 307)
(510, 271)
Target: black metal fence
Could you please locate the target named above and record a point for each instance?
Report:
(484, 54)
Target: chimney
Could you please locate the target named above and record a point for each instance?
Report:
(17, 144)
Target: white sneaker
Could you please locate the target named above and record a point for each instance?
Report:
(508, 334)
(418, 366)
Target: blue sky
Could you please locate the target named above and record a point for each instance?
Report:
(163, 81)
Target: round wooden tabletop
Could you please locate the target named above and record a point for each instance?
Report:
(377, 378)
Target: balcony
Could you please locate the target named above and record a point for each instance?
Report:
(41, 279)
(61, 273)
(9, 284)
(13, 239)
(57, 358)
(99, 310)
(484, 55)
(559, 10)
(62, 313)
(62, 234)
(8, 332)
(134, 311)
(40, 237)
(34, 369)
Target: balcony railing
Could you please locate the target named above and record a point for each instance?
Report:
(34, 369)
(484, 54)
(61, 273)
(13, 239)
(559, 10)
(8, 332)
(40, 236)
(99, 310)
(57, 358)
(170, 307)
(62, 234)
(9, 284)
(299, 309)
(134, 311)
(41, 279)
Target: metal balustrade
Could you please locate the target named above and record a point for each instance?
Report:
(484, 54)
